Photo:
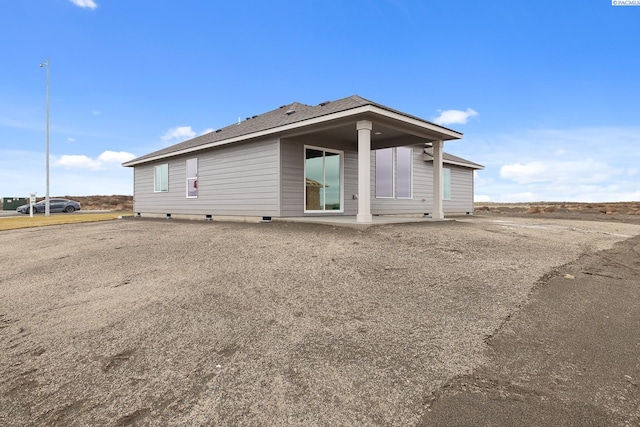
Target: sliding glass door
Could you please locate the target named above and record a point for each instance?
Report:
(323, 180)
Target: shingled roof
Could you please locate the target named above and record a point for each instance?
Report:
(284, 115)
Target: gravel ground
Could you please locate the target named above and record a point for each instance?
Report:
(142, 322)
(570, 357)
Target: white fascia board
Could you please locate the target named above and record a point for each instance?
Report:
(453, 162)
(309, 122)
(416, 122)
(466, 165)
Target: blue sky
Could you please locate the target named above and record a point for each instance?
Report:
(547, 93)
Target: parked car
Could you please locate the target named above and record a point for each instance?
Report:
(55, 205)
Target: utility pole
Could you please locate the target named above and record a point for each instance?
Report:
(46, 206)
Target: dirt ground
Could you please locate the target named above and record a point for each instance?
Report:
(156, 322)
(570, 357)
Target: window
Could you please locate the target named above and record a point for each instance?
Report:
(384, 172)
(323, 180)
(161, 178)
(192, 178)
(404, 157)
(394, 171)
(446, 184)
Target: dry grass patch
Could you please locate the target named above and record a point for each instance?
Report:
(14, 223)
(113, 203)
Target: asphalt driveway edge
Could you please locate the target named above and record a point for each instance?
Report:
(568, 357)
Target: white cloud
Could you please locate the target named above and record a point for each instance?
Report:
(208, 130)
(179, 133)
(525, 173)
(526, 196)
(620, 191)
(96, 112)
(565, 172)
(90, 4)
(104, 161)
(480, 179)
(71, 140)
(75, 161)
(449, 117)
(579, 164)
(481, 198)
(115, 157)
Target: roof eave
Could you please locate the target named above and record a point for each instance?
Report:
(466, 165)
(469, 165)
(445, 133)
(448, 133)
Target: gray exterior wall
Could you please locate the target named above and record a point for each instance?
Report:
(461, 190)
(292, 177)
(266, 178)
(238, 179)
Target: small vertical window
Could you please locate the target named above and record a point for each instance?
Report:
(403, 172)
(446, 184)
(192, 178)
(394, 173)
(384, 172)
(161, 178)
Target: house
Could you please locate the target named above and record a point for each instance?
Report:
(346, 157)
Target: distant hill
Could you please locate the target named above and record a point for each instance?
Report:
(614, 208)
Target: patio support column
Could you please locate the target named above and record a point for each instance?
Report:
(364, 171)
(438, 211)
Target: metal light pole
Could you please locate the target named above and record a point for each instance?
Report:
(46, 205)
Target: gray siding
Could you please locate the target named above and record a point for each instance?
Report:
(292, 177)
(239, 179)
(266, 178)
(461, 190)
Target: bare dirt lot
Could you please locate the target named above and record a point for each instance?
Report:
(142, 322)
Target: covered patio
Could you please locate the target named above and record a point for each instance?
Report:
(371, 127)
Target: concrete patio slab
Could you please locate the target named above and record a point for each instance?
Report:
(351, 221)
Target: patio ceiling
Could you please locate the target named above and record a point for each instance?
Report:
(385, 133)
